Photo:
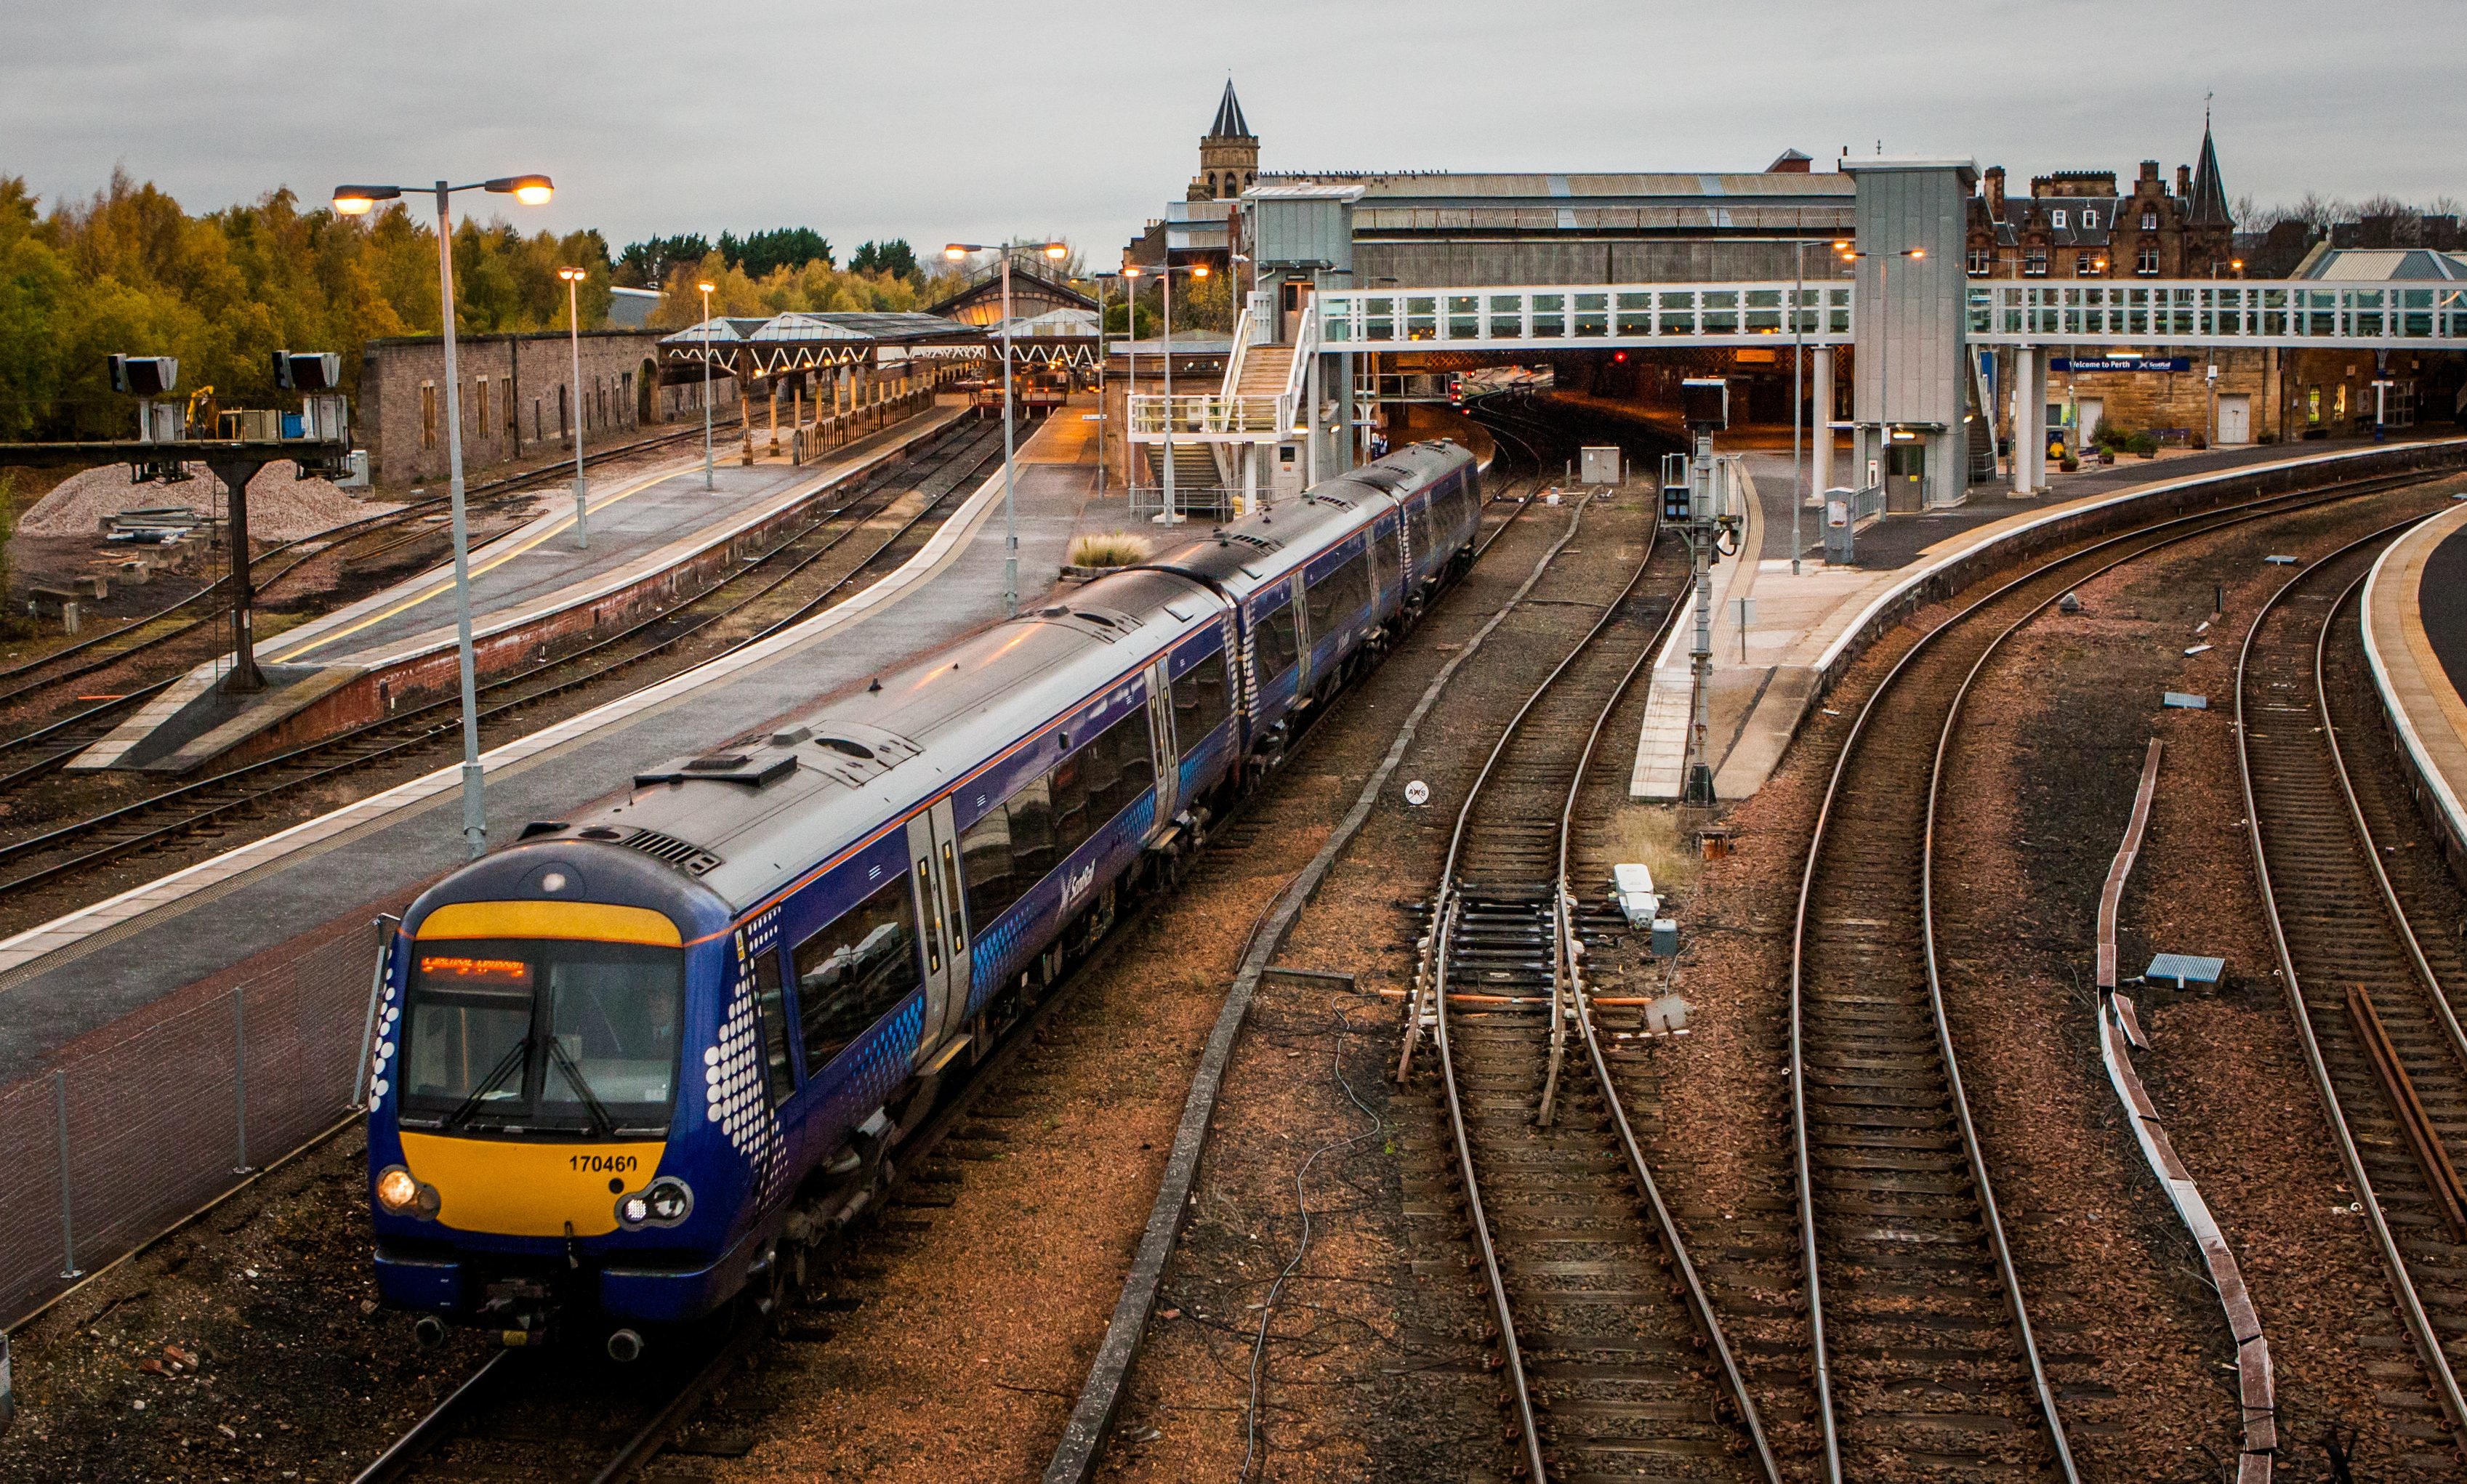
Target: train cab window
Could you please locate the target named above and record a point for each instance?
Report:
(1200, 702)
(856, 971)
(771, 1008)
(557, 1037)
(1275, 646)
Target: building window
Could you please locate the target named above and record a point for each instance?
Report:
(1978, 262)
(2034, 262)
(2149, 221)
(2145, 263)
(480, 388)
(428, 414)
(2086, 266)
(2090, 220)
(2056, 218)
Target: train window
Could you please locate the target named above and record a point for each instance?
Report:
(951, 903)
(1031, 833)
(1128, 750)
(1339, 598)
(1274, 646)
(933, 915)
(1199, 701)
(1068, 782)
(1419, 513)
(771, 1007)
(856, 971)
(985, 853)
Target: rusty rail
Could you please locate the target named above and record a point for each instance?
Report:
(2119, 1031)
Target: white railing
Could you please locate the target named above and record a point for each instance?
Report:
(1201, 414)
(1306, 343)
(1555, 314)
(2210, 312)
(1242, 337)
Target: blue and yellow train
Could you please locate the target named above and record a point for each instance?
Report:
(633, 1066)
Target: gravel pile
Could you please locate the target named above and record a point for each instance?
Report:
(281, 507)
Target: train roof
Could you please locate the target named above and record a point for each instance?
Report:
(746, 820)
(1242, 555)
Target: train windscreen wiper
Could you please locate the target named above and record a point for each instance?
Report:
(514, 1057)
(601, 1123)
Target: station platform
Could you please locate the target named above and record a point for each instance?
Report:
(1800, 629)
(178, 937)
(532, 587)
(2415, 642)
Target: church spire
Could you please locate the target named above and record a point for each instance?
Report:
(2208, 207)
(1230, 123)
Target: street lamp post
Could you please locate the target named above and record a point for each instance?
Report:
(358, 201)
(706, 384)
(574, 324)
(1056, 252)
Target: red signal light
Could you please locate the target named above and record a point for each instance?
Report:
(1619, 355)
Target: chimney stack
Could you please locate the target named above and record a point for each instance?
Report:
(1995, 178)
(2184, 182)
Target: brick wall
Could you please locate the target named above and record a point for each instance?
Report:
(518, 399)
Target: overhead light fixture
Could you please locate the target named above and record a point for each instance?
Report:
(357, 201)
(529, 189)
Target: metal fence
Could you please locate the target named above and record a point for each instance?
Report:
(140, 1123)
(1200, 502)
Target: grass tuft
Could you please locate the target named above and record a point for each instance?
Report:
(1112, 548)
(1649, 835)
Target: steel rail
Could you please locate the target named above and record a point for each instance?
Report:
(1699, 1299)
(2412, 1310)
(19, 849)
(2171, 531)
(1449, 908)
(331, 536)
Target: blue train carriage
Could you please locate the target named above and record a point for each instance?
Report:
(631, 1066)
(1323, 584)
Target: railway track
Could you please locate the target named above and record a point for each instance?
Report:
(2360, 917)
(1615, 1360)
(1923, 1357)
(268, 568)
(793, 581)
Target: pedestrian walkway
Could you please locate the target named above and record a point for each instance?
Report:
(530, 588)
(194, 928)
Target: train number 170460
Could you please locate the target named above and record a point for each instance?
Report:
(604, 1164)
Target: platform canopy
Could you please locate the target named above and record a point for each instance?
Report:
(796, 342)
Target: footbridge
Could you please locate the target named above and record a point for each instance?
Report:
(1915, 322)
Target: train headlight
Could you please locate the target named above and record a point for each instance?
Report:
(663, 1203)
(404, 1195)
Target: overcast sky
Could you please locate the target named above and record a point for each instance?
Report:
(965, 119)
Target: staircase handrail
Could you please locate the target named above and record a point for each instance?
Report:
(1306, 346)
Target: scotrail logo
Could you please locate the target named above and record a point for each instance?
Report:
(1076, 885)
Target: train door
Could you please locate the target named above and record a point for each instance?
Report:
(1160, 738)
(1304, 638)
(941, 925)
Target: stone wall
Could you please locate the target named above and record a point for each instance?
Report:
(517, 398)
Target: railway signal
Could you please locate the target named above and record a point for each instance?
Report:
(1705, 403)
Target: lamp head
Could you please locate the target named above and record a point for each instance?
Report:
(529, 189)
(357, 201)
(570, 274)
(1130, 270)
(955, 250)
(1057, 251)
(1199, 270)
(706, 287)
(1916, 253)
